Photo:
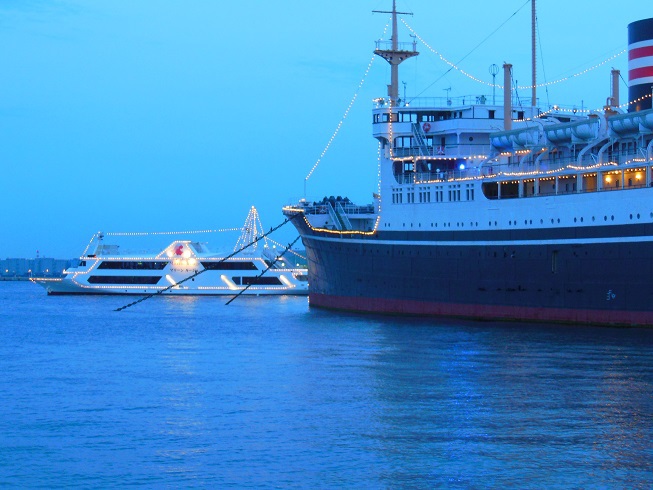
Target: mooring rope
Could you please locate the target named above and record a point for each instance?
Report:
(256, 240)
(267, 269)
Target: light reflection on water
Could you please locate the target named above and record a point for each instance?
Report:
(265, 391)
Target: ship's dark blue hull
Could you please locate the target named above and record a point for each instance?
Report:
(581, 276)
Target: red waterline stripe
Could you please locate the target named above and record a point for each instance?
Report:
(635, 73)
(642, 52)
(482, 312)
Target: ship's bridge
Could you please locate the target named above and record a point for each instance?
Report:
(442, 127)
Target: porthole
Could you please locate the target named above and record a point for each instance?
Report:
(605, 218)
(581, 219)
(631, 215)
(541, 221)
(637, 215)
(612, 218)
(593, 218)
(575, 220)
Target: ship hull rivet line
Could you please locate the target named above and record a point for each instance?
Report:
(256, 240)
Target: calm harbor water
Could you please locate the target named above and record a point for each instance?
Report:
(267, 392)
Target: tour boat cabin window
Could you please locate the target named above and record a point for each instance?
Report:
(230, 266)
(124, 279)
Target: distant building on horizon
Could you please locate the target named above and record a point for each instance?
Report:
(38, 267)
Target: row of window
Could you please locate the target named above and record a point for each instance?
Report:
(151, 280)
(131, 265)
(230, 266)
(514, 222)
(435, 194)
(158, 265)
(257, 281)
(124, 279)
(435, 116)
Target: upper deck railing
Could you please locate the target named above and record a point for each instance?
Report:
(448, 151)
(444, 102)
(387, 46)
(480, 99)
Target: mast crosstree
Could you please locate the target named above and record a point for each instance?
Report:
(394, 52)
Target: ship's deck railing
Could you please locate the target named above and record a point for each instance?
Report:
(348, 208)
(444, 102)
(387, 46)
(589, 163)
(442, 176)
(479, 99)
(448, 151)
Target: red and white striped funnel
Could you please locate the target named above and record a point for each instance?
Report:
(640, 64)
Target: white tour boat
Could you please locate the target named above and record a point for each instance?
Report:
(185, 267)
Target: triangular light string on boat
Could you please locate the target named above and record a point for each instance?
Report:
(344, 116)
(255, 241)
(251, 228)
(270, 265)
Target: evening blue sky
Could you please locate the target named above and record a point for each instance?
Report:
(121, 115)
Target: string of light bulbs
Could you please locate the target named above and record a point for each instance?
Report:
(252, 227)
(555, 109)
(346, 113)
(152, 233)
(520, 87)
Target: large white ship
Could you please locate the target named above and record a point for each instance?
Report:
(548, 219)
(186, 267)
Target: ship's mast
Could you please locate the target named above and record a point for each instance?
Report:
(533, 53)
(394, 55)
